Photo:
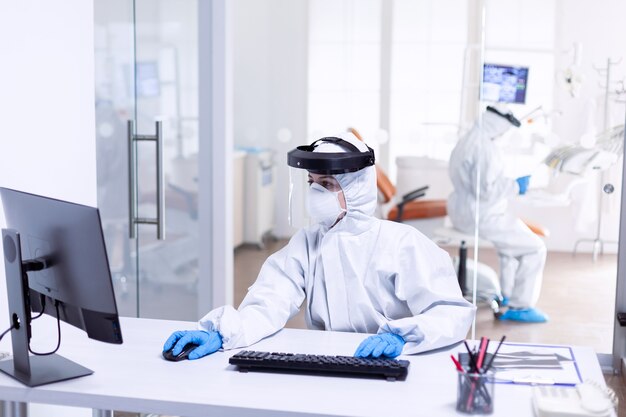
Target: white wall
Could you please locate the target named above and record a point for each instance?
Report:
(429, 44)
(47, 142)
(47, 139)
(344, 67)
(270, 83)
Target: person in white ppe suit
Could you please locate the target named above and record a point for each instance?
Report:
(357, 273)
(522, 253)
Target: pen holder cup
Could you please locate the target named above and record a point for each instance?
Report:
(474, 393)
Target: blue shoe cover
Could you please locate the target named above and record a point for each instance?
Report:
(528, 315)
(504, 302)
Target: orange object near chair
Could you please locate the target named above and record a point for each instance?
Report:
(537, 228)
(419, 210)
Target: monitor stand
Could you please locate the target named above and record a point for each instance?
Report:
(29, 370)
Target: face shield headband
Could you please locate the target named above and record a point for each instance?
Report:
(508, 116)
(330, 163)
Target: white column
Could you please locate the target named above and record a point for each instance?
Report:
(216, 155)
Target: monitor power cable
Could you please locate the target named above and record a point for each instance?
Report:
(7, 331)
(42, 299)
(56, 306)
(16, 324)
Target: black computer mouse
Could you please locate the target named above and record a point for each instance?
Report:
(182, 355)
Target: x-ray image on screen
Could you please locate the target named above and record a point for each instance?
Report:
(504, 84)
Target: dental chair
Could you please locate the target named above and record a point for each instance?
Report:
(426, 215)
(407, 207)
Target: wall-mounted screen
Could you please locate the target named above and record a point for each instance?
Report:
(504, 84)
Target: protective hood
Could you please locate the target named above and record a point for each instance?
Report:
(496, 121)
(359, 188)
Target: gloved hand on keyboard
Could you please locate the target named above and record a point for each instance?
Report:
(385, 344)
(208, 342)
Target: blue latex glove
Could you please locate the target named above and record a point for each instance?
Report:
(208, 342)
(523, 183)
(385, 344)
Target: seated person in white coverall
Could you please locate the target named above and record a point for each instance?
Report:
(357, 273)
(522, 253)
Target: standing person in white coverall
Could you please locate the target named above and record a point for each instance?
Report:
(356, 272)
(522, 253)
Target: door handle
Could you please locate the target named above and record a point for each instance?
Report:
(132, 182)
(133, 220)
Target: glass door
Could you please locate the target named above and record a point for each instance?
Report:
(166, 92)
(115, 106)
(147, 133)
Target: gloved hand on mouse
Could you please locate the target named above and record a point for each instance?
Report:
(208, 342)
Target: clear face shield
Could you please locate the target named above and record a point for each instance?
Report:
(314, 198)
(315, 195)
(298, 188)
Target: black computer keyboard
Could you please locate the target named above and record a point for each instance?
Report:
(391, 369)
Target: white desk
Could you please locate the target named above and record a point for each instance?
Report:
(134, 377)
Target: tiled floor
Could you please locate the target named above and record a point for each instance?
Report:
(577, 294)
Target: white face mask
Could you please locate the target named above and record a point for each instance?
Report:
(323, 205)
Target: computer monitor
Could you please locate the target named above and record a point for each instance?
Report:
(504, 84)
(56, 263)
(147, 79)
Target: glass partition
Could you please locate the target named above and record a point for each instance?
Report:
(409, 76)
(552, 243)
(403, 74)
(270, 69)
